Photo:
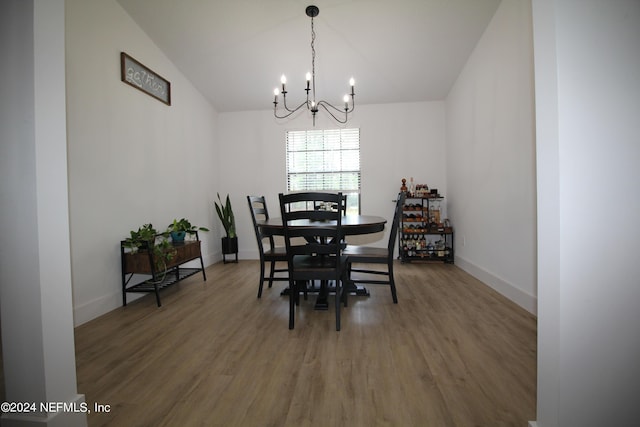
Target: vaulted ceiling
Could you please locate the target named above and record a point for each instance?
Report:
(234, 51)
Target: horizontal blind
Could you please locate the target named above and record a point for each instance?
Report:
(323, 160)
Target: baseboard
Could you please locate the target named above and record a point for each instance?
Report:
(508, 290)
(242, 255)
(249, 255)
(533, 424)
(208, 259)
(82, 313)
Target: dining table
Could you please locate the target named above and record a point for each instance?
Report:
(352, 225)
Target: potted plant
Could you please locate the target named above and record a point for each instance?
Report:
(230, 241)
(141, 239)
(148, 239)
(178, 230)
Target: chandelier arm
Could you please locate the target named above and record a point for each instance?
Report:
(324, 105)
(290, 112)
(284, 103)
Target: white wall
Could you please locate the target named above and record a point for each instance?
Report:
(396, 141)
(491, 157)
(587, 86)
(132, 159)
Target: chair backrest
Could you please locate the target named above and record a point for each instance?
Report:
(396, 221)
(320, 230)
(318, 205)
(258, 208)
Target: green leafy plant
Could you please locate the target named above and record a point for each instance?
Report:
(184, 225)
(225, 213)
(142, 238)
(147, 238)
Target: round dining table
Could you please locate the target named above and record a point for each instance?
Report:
(352, 225)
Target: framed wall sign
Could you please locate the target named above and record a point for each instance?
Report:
(142, 78)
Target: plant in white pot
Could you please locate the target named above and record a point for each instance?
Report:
(230, 241)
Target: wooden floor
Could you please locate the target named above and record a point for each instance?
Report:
(452, 352)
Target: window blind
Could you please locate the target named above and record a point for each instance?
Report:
(324, 160)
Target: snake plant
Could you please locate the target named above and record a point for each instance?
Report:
(225, 213)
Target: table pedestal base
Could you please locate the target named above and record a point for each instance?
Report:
(322, 302)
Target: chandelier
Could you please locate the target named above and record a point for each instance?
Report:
(311, 104)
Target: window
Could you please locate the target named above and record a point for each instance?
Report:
(325, 160)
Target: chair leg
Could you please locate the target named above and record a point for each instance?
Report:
(272, 273)
(261, 279)
(345, 288)
(338, 303)
(392, 283)
(301, 285)
(293, 290)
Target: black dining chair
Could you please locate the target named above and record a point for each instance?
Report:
(372, 255)
(272, 254)
(313, 242)
(320, 205)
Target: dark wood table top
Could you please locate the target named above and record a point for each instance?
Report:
(351, 224)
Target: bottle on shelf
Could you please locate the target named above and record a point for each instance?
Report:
(430, 249)
(423, 242)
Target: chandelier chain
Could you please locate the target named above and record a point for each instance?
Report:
(313, 61)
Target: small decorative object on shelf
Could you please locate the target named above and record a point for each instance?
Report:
(422, 190)
(418, 191)
(423, 235)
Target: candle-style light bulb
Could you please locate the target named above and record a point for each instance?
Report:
(352, 82)
(283, 79)
(275, 94)
(308, 76)
(346, 102)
